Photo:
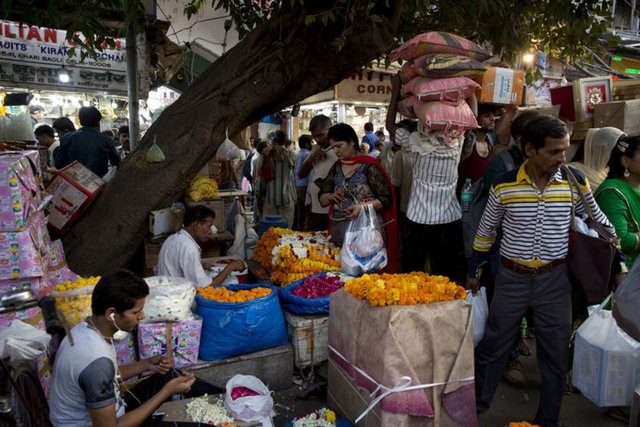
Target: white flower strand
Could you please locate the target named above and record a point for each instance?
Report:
(201, 410)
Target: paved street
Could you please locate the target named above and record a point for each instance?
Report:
(510, 403)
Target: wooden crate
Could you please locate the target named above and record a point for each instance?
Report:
(624, 115)
(309, 337)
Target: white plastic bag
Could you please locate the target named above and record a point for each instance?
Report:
(249, 408)
(363, 250)
(606, 361)
(228, 150)
(169, 299)
(479, 313)
(22, 341)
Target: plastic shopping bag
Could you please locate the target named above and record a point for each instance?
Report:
(249, 408)
(22, 341)
(606, 361)
(627, 297)
(479, 313)
(363, 250)
(228, 150)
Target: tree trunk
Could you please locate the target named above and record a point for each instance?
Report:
(276, 65)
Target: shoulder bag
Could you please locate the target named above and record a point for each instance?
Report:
(590, 258)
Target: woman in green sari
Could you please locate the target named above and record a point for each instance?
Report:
(619, 195)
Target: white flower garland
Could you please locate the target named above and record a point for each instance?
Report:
(201, 410)
(314, 419)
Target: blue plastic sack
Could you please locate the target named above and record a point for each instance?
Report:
(232, 329)
(298, 305)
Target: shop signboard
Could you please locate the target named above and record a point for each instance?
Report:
(33, 57)
(366, 86)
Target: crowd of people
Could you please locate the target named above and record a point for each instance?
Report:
(99, 151)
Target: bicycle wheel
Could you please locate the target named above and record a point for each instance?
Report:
(33, 410)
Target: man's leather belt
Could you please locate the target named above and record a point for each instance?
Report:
(523, 269)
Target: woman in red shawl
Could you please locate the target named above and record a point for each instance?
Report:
(354, 180)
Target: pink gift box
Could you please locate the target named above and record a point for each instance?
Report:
(60, 275)
(21, 193)
(32, 316)
(24, 253)
(184, 338)
(43, 368)
(56, 254)
(39, 285)
(126, 354)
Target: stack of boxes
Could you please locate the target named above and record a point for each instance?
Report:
(24, 240)
(28, 257)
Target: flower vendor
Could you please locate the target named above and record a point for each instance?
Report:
(180, 253)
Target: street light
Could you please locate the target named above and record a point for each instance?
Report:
(63, 75)
(528, 58)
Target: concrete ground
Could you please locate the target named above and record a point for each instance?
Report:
(510, 403)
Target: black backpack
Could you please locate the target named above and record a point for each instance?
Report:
(471, 218)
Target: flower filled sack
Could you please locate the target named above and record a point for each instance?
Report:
(363, 250)
(439, 42)
(447, 65)
(234, 328)
(169, 299)
(453, 90)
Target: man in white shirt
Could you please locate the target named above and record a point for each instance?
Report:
(317, 165)
(180, 253)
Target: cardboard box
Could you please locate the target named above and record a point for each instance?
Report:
(624, 115)
(161, 221)
(21, 192)
(24, 253)
(73, 189)
(179, 340)
(216, 205)
(501, 86)
(309, 337)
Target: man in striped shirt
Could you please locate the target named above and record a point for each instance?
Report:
(533, 206)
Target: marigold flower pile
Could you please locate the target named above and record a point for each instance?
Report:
(76, 306)
(222, 294)
(404, 289)
(293, 255)
(522, 424)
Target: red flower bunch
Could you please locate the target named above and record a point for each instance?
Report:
(238, 392)
(316, 287)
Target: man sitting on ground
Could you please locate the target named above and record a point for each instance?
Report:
(85, 389)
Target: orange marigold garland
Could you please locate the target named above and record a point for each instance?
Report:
(222, 294)
(522, 424)
(404, 289)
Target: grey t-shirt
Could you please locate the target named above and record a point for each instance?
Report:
(84, 377)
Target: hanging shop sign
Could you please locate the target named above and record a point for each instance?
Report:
(35, 56)
(366, 86)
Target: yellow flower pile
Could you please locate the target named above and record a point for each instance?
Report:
(202, 188)
(222, 294)
(289, 268)
(266, 243)
(403, 289)
(293, 255)
(73, 299)
(522, 424)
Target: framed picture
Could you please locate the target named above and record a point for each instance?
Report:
(588, 92)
